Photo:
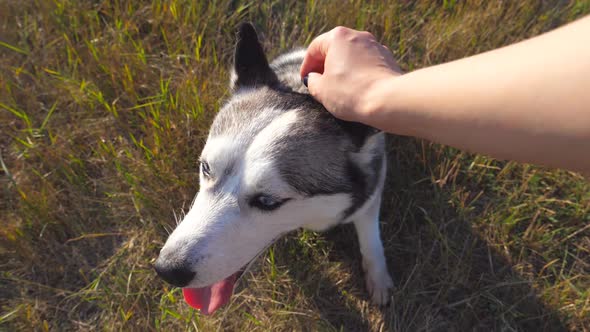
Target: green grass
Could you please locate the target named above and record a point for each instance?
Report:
(105, 105)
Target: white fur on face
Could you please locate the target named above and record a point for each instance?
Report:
(260, 175)
(222, 232)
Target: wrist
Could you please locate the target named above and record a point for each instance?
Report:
(378, 109)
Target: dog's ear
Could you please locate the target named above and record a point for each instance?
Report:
(250, 65)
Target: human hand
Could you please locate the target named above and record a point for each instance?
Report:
(342, 67)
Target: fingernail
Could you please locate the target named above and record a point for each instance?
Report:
(304, 80)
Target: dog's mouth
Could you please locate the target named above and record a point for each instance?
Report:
(209, 299)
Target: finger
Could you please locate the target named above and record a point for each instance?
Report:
(315, 55)
(314, 85)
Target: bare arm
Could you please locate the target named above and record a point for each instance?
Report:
(528, 102)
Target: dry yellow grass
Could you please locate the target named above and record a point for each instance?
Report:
(104, 106)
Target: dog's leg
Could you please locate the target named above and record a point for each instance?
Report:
(377, 276)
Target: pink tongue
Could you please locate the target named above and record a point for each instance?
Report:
(210, 298)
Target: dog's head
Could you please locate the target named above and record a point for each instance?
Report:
(274, 161)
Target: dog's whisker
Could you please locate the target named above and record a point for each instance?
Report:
(167, 229)
(183, 210)
(175, 217)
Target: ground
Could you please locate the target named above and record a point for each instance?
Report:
(105, 105)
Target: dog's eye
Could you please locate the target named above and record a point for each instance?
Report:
(266, 202)
(205, 170)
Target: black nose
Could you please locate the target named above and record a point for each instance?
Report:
(176, 275)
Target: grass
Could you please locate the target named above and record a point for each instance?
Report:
(105, 105)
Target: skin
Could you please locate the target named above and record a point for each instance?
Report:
(528, 102)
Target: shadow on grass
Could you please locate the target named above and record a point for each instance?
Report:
(447, 277)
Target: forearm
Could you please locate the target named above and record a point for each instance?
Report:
(528, 102)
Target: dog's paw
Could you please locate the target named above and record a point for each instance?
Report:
(378, 284)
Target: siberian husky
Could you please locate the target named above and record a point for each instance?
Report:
(275, 160)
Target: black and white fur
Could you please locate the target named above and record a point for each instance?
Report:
(276, 160)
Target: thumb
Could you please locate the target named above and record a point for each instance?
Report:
(314, 83)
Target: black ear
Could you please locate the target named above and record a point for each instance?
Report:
(250, 65)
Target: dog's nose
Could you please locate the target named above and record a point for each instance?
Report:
(176, 275)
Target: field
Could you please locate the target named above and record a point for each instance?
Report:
(105, 105)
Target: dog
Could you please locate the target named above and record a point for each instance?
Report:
(275, 160)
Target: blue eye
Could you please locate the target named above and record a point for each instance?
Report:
(266, 202)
